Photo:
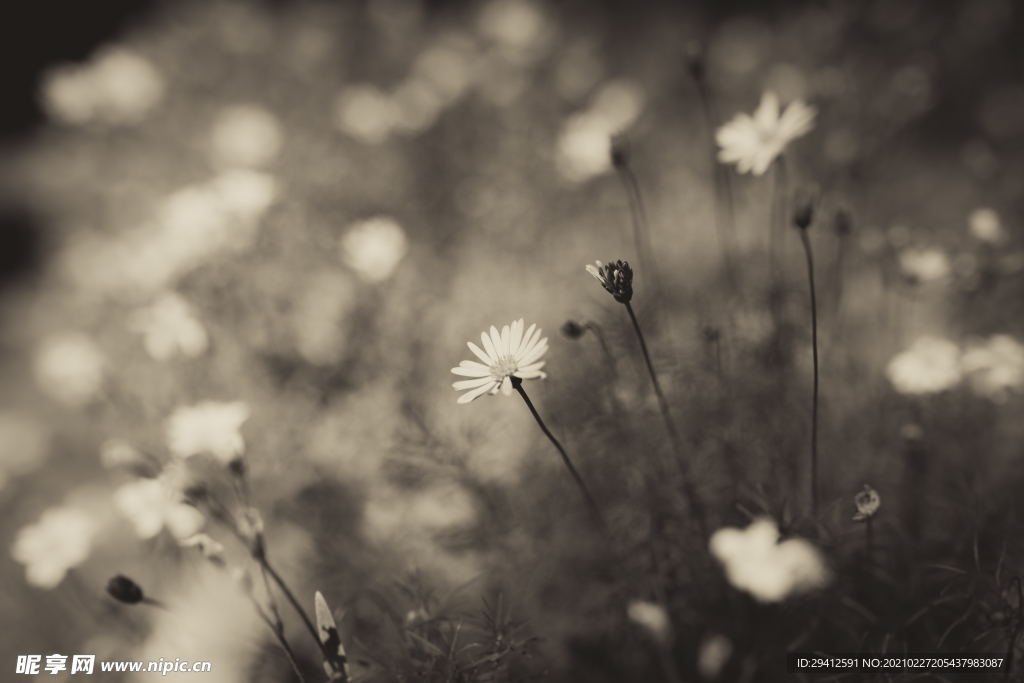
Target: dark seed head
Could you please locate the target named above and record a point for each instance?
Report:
(620, 151)
(573, 330)
(123, 589)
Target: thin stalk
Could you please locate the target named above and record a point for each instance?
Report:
(278, 630)
(641, 231)
(264, 564)
(723, 187)
(591, 505)
(696, 510)
(805, 240)
(870, 536)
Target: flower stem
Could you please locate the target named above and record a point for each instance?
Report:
(277, 628)
(641, 231)
(696, 509)
(591, 505)
(723, 186)
(870, 536)
(805, 240)
(265, 565)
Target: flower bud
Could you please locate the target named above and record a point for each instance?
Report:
(616, 278)
(573, 330)
(620, 151)
(803, 209)
(653, 618)
(123, 589)
(867, 501)
(711, 333)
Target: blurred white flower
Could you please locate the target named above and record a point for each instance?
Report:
(995, 367)
(60, 540)
(585, 141)
(245, 136)
(320, 316)
(211, 549)
(517, 27)
(447, 67)
(152, 504)
(24, 444)
(373, 248)
(118, 453)
(208, 427)
(714, 653)
(929, 366)
(116, 87)
(653, 618)
(245, 194)
(986, 226)
(69, 368)
(867, 501)
(417, 106)
(510, 353)
(770, 571)
(169, 327)
(753, 142)
(923, 265)
(191, 225)
(365, 113)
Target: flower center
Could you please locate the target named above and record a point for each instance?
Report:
(503, 368)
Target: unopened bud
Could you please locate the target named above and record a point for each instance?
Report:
(123, 589)
(711, 333)
(620, 150)
(573, 330)
(237, 467)
(803, 210)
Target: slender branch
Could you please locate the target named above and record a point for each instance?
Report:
(805, 240)
(641, 231)
(278, 630)
(591, 505)
(723, 186)
(328, 656)
(696, 509)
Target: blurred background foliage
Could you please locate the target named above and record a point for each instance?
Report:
(289, 219)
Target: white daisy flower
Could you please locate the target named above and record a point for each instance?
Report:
(770, 571)
(508, 354)
(69, 367)
(924, 265)
(929, 366)
(60, 540)
(373, 248)
(652, 617)
(208, 427)
(152, 504)
(169, 327)
(753, 142)
(996, 367)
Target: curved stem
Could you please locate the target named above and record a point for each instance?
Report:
(328, 656)
(805, 240)
(696, 510)
(641, 231)
(591, 505)
(278, 630)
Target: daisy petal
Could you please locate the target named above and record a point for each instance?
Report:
(506, 340)
(506, 386)
(536, 352)
(496, 340)
(528, 346)
(530, 369)
(478, 352)
(472, 372)
(517, 337)
(767, 114)
(489, 347)
(472, 383)
(476, 393)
